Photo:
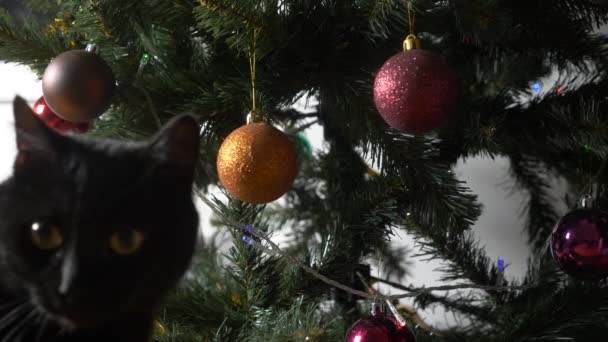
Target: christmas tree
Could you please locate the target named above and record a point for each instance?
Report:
(454, 93)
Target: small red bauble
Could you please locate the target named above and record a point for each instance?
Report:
(379, 328)
(579, 244)
(60, 125)
(415, 90)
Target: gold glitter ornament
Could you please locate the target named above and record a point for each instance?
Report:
(257, 163)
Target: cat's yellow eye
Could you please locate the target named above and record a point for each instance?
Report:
(46, 236)
(126, 242)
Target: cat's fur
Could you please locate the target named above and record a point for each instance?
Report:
(90, 189)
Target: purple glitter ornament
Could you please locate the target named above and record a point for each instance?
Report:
(579, 244)
(379, 328)
(415, 91)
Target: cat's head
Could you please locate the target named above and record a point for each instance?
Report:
(95, 229)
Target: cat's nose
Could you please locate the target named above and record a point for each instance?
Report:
(57, 303)
(66, 299)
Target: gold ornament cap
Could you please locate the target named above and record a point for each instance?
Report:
(257, 163)
(411, 42)
(254, 116)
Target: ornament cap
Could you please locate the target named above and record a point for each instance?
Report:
(586, 202)
(376, 308)
(254, 116)
(411, 42)
(92, 48)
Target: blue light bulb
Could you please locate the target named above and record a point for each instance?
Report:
(536, 87)
(501, 264)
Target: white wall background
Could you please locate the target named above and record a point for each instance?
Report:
(499, 228)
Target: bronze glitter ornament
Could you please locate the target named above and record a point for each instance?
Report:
(78, 85)
(257, 163)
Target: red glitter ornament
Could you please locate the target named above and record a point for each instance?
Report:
(379, 328)
(579, 244)
(60, 125)
(415, 90)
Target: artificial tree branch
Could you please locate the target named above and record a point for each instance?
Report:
(392, 284)
(409, 310)
(415, 317)
(231, 11)
(275, 250)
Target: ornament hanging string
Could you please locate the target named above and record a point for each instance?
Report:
(377, 292)
(146, 58)
(379, 265)
(252, 70)
(594, 179)
(600, 172)
(592, 106)
(410, 16)
(411, 41)
(139, 86)
(388, 302)
(411, 312)
(589, 187)
(252, 62)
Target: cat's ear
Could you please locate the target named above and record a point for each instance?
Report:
(33, 136)
(178, 141)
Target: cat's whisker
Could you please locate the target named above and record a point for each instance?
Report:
(12, 304)
(18, 328)
(37, 320)
(44, 320)
(13, 315)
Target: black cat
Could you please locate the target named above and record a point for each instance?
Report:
(93, 233)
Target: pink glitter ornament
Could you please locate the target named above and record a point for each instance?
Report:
(415, 90)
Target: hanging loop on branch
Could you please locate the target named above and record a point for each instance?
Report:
(252, 70)
(410, 16)
(411, 41)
